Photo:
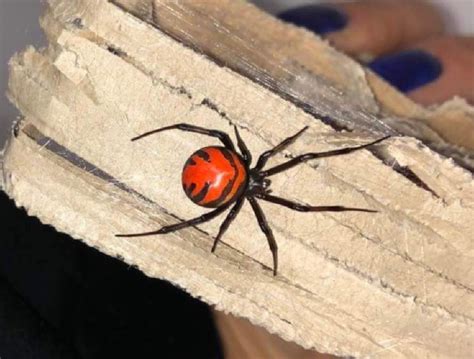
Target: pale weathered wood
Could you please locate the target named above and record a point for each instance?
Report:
(397, 283)
(297, 64)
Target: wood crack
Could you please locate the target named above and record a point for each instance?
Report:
(59, 150)
(350, 284)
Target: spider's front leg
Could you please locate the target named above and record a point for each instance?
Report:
(222, 136)
(314, 155)
(265, 156)
(304, 208)
(247, 156)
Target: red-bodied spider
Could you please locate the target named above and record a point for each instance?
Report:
(216, 177)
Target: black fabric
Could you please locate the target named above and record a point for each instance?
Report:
(62, 299)
(24, 334)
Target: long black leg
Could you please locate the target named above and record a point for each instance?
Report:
(262, 160)
(228, 220)
(303, 208)
(262, 221)
(243, 148)
(224, 137)
(175, 227)
(311, 156)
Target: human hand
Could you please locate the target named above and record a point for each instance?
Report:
(404, 41)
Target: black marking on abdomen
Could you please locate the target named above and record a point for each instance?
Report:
(190, 189)
(202, 194)
(190, 162)
(204, 155)
(230, 184)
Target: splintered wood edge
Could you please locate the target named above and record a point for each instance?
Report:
(296, 53)
(53, 88)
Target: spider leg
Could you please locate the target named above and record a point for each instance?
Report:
(303, 208)
(262, 221)
(243, 148)
(222, 136)
(311, 156)
(176, 227)
(228, 220)
(264, 157)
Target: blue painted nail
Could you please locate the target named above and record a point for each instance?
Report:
(408, 70)
(317, 18)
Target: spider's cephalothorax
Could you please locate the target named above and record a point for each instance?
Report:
(219, 177)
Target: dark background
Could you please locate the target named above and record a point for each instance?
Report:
(62, 299)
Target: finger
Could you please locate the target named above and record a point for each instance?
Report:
(370, 28)
(456, 55)
(433, 71)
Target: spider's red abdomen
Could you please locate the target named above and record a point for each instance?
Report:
(214, 176)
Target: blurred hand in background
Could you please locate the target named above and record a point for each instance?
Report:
(404, 41)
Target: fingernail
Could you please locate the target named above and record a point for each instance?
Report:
(317, 18)
(408, 70)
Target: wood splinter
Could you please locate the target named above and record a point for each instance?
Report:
(396, 283)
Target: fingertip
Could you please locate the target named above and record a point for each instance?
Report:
(369, 28)
(408, 70)
(320, 19)
(456, 54)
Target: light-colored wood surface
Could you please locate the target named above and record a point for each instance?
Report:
(395, 283)
(300, 66)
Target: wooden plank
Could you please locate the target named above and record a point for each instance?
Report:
(300, 66)
(349, 284)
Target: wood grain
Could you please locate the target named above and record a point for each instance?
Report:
(350, 284)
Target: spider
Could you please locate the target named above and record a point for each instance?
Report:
(219, 177)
